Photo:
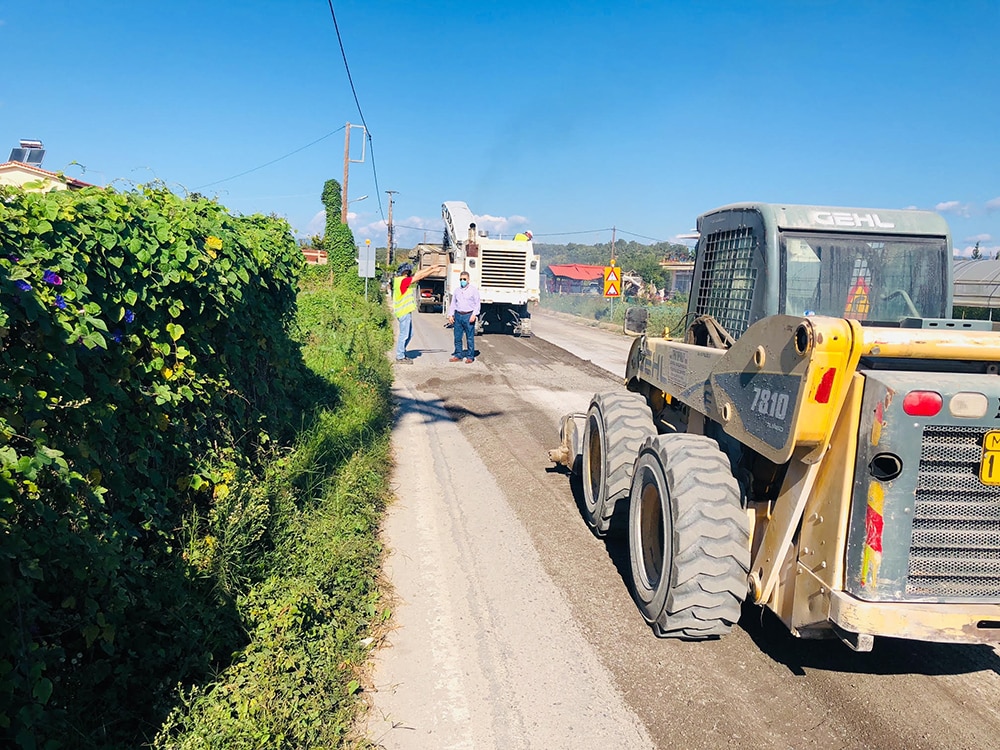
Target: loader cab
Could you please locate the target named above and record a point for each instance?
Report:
(878, 267)
(880, 280)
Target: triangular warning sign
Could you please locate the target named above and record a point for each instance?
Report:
(611, 290)
(611, 274)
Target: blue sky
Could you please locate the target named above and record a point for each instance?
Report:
(566, 118)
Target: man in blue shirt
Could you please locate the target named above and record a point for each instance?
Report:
(463, 312)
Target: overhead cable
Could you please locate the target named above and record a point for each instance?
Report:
(273, 161)
(350, 80)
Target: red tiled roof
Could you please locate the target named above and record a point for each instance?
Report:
(71, 181)
(577, 271)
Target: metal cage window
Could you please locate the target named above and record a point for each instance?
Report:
(728, 279)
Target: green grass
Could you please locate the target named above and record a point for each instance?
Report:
(298, 552)
(662, 316)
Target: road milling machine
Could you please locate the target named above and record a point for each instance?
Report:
(824, 439)
(506, 272)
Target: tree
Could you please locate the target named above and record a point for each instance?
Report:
(976, 253)
(342, 252)
(648, 266)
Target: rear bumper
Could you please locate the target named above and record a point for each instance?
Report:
(944, 623)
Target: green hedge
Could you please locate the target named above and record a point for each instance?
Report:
(308, 608)
(145, 363)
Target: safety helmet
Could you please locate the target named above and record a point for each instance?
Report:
(405, 268)
(528, 233)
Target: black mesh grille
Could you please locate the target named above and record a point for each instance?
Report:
(955, 548)
(728, 277)
(503, 268)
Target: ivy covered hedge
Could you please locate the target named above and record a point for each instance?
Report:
(145, 362)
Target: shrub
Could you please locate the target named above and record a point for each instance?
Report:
(145, 363)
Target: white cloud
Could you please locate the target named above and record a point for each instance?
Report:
(373, 230)
(316, 225)
(979, 238)
(501, 226)
(993, 205)
(953, 207)
(412, 230)
(988, 252)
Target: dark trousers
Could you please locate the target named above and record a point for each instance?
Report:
(464, 328)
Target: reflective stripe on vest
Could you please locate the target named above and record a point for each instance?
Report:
(403, 303)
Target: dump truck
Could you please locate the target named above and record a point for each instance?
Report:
(506, 272)
(822, 440)
(430, 289)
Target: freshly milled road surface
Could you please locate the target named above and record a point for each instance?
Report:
(514, 627)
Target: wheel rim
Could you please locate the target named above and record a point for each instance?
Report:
(595, 454)
(651, 531)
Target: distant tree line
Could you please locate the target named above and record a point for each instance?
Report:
(630, 255)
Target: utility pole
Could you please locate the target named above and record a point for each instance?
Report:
(621, 282)
(388, 241)
(347, 162)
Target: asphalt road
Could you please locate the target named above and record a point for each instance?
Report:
(514, 626)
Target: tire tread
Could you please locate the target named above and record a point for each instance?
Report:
(708, 570)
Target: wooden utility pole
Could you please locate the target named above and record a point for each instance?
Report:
(347, 161)
(621, 282)
(388, 241)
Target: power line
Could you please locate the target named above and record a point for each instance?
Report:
(273, 161)
(350, 80)
(419, 229)
(563, 234)
(596, 231)
(343, 54)
(558, 234)
(643, 236)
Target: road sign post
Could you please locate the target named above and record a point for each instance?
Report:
(366, 264)
(612, 285)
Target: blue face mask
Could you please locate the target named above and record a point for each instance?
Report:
(464, 282)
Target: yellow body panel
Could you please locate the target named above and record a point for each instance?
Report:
(799, 542)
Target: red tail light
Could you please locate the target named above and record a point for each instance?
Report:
(922, 403)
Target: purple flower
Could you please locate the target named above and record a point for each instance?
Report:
(51, 277)
(60, 302)
(14, 258)
(129, 316)
(23, 285)
(117, 336)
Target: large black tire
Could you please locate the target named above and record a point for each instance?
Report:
(617, 424)
(688, 538)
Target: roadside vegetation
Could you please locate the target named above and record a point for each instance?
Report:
(308, 606)
(632, 257)
(193, 460)
(663, 316)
